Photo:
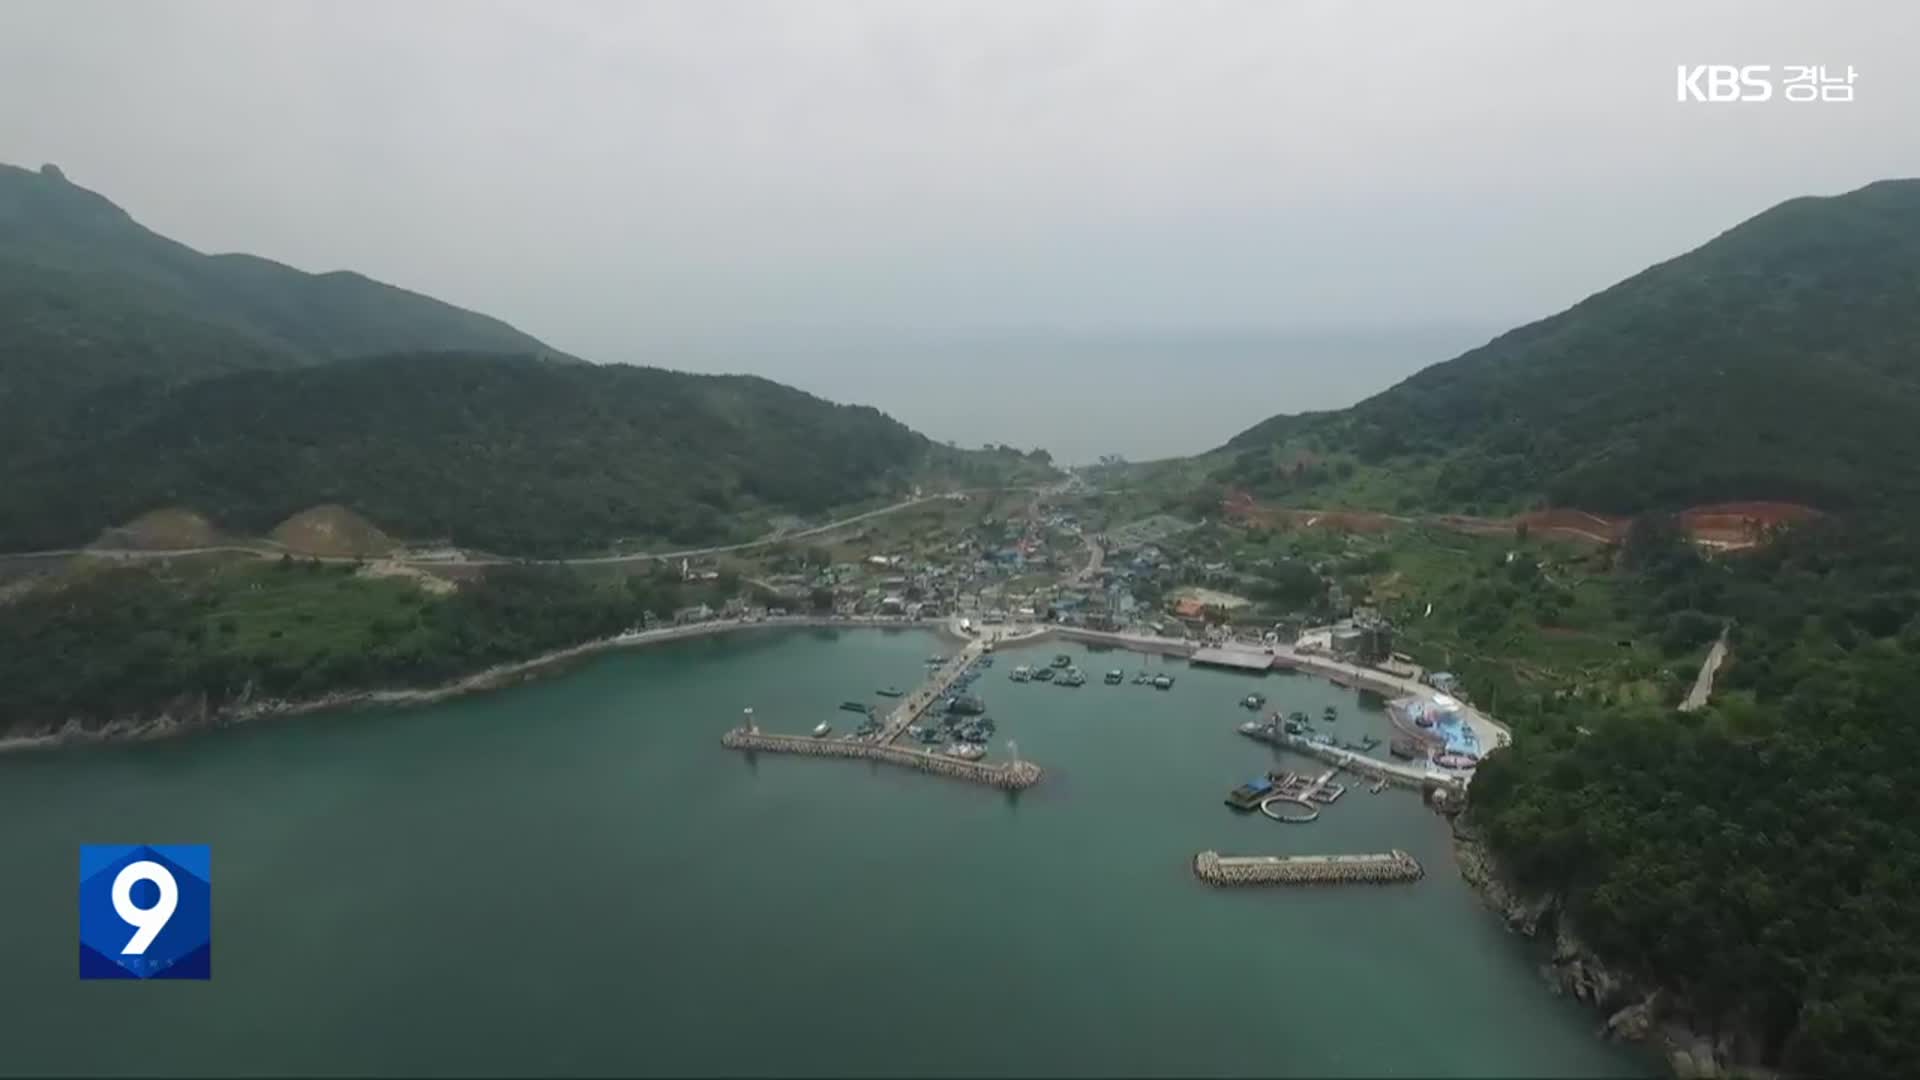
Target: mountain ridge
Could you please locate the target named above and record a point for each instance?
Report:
(1801, 321)
(137, 374)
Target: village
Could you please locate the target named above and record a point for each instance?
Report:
(1061, 558)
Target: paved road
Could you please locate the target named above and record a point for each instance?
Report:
(1095, 554)
(270, 552)
(1703, 683)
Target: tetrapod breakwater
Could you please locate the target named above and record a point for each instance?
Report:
(1007, 775)
(1373, 869)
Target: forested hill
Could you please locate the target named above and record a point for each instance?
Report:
(513, 454)
(89, 296)
(138, 374)
(1781, 360)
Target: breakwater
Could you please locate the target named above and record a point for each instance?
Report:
(1007, 776)
(1374, 869)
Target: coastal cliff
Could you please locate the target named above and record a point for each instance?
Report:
(1636, 1010)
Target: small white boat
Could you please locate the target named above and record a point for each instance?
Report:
(821, 731)
(966, 751)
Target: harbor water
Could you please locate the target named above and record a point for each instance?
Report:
(574, 876)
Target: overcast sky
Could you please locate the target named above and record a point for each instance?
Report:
(610, 176)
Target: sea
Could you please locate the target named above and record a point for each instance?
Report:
(1084, 395)
(573, 876)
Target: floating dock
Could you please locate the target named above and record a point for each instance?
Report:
(1303, 789)
(1377, 869)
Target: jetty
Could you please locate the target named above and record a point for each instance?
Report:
(939, 681)
(1423, 776)
(1011, 775)
(1014, 775)
(1375, 869)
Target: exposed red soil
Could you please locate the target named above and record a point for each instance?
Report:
(1722, 525)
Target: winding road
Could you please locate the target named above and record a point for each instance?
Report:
(270, 551)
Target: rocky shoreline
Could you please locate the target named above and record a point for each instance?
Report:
(194, 713)
(1635, 1011)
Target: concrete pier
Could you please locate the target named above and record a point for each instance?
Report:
(1007, 776)
(1407, 775)
(1377, 869)
(929, 692)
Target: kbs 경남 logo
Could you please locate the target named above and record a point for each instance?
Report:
(146, 911)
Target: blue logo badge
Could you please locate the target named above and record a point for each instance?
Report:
(146, 911)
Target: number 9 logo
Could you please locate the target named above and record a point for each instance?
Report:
(147, 922)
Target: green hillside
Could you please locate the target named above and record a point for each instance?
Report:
(512, 454)
(1781, 360)
(137, 373)
(88, 296)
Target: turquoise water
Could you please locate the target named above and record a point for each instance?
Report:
(574, 876)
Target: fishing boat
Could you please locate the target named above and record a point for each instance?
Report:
(1409, 749)
(1163, 682)
(856, 706)
(1252, 701)
(966, 751)
(892, 691)
(1297, 716)
(936, 659)
(966, 705)
(1248, 795)
(1062, 660)
(1115, 676)
(1021, 673)
(1330, 714)
(1073, 678)
(1044, 674)
(820, 731)
(1142, 679)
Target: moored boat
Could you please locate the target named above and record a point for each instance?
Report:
(821, 731)
(1115, 676)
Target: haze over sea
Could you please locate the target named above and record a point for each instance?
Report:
(1142, 394)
